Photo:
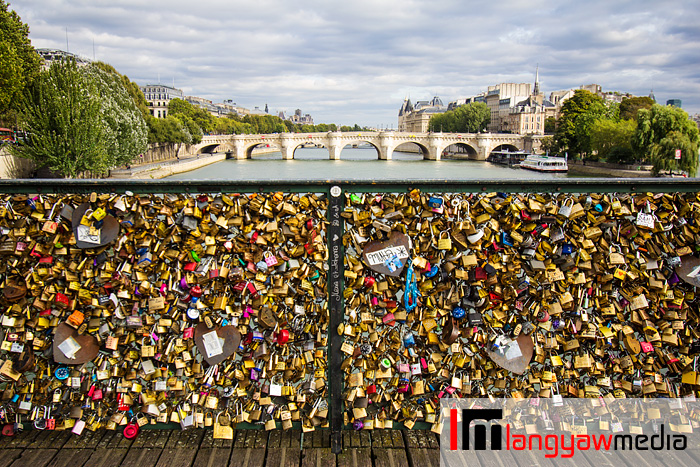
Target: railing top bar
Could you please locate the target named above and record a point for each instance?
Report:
(566, 185)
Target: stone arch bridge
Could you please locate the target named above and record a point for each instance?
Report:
(476, 146)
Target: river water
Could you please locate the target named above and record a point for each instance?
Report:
(355, 164)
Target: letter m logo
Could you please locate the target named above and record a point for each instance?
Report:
(469, 415)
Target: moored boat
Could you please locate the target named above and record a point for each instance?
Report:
(550, 164)
(507, 157)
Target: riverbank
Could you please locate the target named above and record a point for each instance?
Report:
(604, 169)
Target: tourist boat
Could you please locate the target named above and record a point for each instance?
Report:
(507, 157)
(549, 164)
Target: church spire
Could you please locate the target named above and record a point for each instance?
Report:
(536, 90)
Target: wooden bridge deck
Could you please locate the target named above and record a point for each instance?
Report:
(257, 448)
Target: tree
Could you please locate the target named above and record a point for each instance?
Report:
(575, 120)
(125, 132)
(19, 63)
(608, 135)
(550, 125)
(547, 145)
(80, 119)
(470, 118)
(663, 130)
(630, 106)
(62, 118)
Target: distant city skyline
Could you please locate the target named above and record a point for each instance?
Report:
(356, 62)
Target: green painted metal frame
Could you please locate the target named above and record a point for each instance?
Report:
(564, 185)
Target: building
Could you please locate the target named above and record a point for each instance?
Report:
(500, 99)
(205, 104)
(696, 119)
(416, 118)
(299, 119)
(158, 97)
(51, 55)
(674, 102)
(528, 116)
(468, 100)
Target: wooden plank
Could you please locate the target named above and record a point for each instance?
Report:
(249, 457)
(35, 458)
(9, 455)
(151, 439)
(208, 441)
(40, 440)
(317, 457)
(274, 439)
(360, 457)
(423, 457)
(185, 439)
(397, 438)
(365, 439)
(283, 457)
(411, 439)
(177, 457)
(381, 439)
(308, 440)
(88, 440)
(141, 457)
(103, 457)
(71, 458)
(673, 457)
(59, 439)
(111, 439)
(23, 439)
(207, 457)
(240, 438)
(259, 439)
(390, 457)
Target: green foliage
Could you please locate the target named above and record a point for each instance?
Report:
(547, 145)
(550, 125)
(168, 130)
(132, 88)
(630, 106)
(470, 118)
(577, 116)
(663, 130)
(80, 119)
(607, 134)
(19, 63)
(125, 133)
(63, 122)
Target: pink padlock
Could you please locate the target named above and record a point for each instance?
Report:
(647, 347)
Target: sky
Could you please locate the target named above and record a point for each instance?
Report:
(355, 61)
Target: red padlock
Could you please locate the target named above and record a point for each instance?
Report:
(8, 430)
(196, 291)
(131, 430)
(369, 282)
(283, 337)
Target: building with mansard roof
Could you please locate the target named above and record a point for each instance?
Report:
(416, 118)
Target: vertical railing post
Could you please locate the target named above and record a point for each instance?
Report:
(335, 305)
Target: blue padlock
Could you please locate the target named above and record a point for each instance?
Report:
(409, 340)
(458, 312)
(433, 271)
(506, 239)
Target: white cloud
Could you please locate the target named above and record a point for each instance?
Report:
(353, 62)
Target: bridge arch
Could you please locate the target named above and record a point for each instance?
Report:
(463, 148)
(359, 141)
(209, 149)
(260, 144)
(424, 150)
(511, 147)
